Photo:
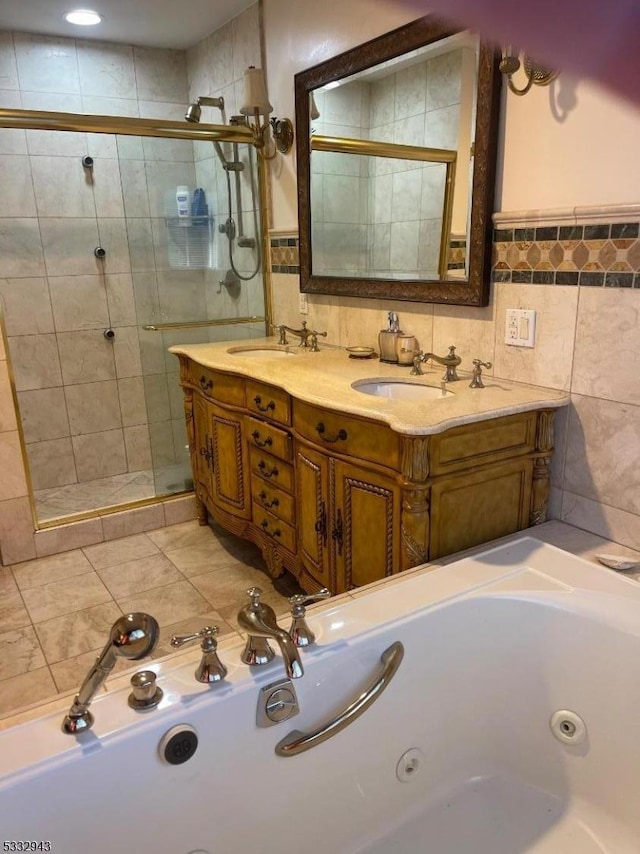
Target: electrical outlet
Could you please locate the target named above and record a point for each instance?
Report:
(304, 304)
(520, 329)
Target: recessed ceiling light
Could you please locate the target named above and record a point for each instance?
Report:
(83, 17)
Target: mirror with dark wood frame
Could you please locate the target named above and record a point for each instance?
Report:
(348, 169)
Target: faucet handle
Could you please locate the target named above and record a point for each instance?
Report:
(210, 669)
(478, 365)
(254, 594)
(299, 631)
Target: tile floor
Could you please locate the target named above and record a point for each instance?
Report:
(89, 495)
(56, 612)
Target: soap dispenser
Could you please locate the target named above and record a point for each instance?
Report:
(387, 339)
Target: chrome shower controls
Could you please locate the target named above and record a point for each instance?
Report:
(146, 694)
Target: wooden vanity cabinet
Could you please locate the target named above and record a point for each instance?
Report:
(341, 501)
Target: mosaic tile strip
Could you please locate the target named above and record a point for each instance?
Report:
(284, 255)
(600, 255)
(457, 253)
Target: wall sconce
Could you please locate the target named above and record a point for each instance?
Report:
(538, 74)
(256, 104)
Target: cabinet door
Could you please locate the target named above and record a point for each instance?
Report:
(364, 526)
(230, 462)
(202, 455)
(312, 493)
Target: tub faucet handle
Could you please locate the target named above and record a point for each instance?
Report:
(211, 669)
(300, 632)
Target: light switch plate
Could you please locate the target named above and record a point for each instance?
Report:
(304, 304)
(520, 329)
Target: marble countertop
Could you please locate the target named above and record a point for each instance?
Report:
(325, 379)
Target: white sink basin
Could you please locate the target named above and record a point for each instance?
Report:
(400, 390)
(264, 352)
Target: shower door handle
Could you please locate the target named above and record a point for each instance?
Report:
(297, 742)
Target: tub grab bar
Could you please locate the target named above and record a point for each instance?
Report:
(297, 741)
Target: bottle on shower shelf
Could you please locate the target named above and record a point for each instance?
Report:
(182, 201)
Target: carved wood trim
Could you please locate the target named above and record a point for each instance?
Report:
(415, 457)
(544, 430)
(350, 484)
(302, 459)
(240, 502)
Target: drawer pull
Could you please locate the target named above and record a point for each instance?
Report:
(256, 438)
(258, 402)
(265, 527)
(337, 532)
(263, 500)
(341, 435)
(263, 470)
(205, 384)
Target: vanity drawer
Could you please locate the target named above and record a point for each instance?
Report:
(269, 438)
(227, 388)
(270, 498)
(269, 401)
(346, 434)
(482, 442)
(275, 528)
(271, 470)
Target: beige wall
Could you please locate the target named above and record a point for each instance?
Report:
(570, 145)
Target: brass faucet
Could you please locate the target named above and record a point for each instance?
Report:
(308, 337)
(451, 361)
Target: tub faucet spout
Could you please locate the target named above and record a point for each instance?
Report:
(259, 621)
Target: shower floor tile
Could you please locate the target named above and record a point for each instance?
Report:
(52, 625)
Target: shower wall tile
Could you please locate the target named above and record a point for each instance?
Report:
(27, 309)
(50, 142)
(441, 128)
(129, 147)
(138, 448)
(79, 302)
(141, 251)
(133, 407)
(93, 407)
(8, 67)
(8, 419)
(99, 454)
(134, 188)
(47, 63)
(181, 294)
(607, 315)
(106, 69)
(122, 309)
(62, 187)
(176, 395)
(162, 180)
(181, 442)
(157, 396)
(35, 361)
(51, 463)
(85, 357)
(245, 30)
(411, 91)
(17, 188)
(161, 74)
(43, 414)
(162, 449)
(68, 246)
(444, 77)
(12, 140)
(151, 352)
(113, 238)
(145, 293)
(102, 145)
(126, 349)
(101, 106)
(106, 188)
(13, 483)
(20, 248)
(16, 530)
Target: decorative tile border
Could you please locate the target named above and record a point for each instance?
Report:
(284, 255)
(595, 255)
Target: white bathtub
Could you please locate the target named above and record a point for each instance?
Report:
(494, 645)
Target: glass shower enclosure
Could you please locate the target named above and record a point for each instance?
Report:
(138, 234)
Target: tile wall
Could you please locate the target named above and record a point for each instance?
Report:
(585, 288)
(46, 244)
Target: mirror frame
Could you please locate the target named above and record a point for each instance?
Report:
(473, 291)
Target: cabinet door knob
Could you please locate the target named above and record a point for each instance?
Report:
(341, 435)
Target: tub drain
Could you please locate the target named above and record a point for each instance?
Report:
(409, 764)
(568, 727)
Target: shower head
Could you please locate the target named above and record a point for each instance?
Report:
(193, 113)
(194, 110)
